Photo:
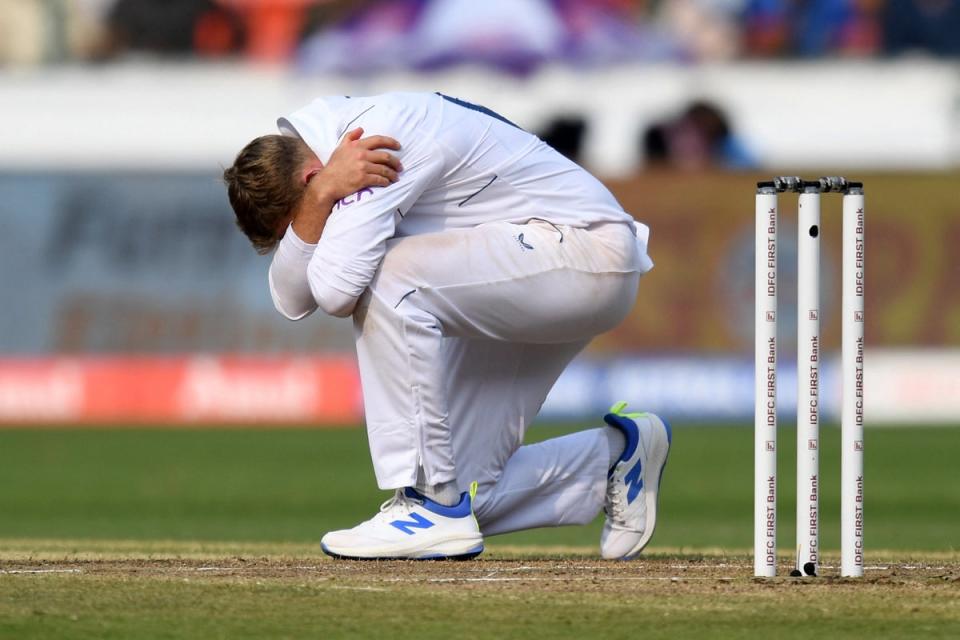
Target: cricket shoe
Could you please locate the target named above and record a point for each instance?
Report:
(633, 484)
(411, 526)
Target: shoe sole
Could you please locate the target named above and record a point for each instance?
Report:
(468, 555)
(653, 497)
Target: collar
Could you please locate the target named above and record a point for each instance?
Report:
(318, 124)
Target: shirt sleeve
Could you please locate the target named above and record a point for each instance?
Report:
(289, 286)
(354, 238)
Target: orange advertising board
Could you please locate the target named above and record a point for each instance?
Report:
(233, 390)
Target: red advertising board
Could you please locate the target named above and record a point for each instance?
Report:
(233, 390)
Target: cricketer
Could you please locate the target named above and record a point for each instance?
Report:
(475, 262)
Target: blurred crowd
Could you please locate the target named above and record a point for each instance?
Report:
(362, 36)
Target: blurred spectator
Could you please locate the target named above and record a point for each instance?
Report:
(932, 26)
(367, 36)
(45, 31)
(705, 29)
(174, 27)
(766, 28)
(512, 35)
(699, 138)
(23, 32)
(600, 32)
(275, 28)
(844, 27)
(774, 28)
(515, 35)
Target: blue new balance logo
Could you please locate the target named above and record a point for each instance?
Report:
(407, 526)
(634, 482)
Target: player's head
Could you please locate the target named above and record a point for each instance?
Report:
(266, 185)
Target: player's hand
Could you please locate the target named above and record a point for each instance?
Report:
(354, 165)
(357, 164)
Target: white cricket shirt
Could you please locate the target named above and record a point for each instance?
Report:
(464, 166)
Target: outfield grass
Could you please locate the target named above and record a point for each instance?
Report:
(177, 607)
(212, 534)
(190, 590)
(293, 485)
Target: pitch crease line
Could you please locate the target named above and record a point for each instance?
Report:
(13, 571)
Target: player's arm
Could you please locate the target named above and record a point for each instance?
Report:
(355, 164)
(354, 236)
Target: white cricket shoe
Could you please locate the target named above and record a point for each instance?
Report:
(633, 484)
(411, 526)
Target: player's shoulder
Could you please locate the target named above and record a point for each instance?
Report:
(392, 106)
(395, 114)
(383, 106)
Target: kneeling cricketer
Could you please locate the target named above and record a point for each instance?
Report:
(475, 262)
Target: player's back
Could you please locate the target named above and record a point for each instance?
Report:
(493, 171)
(464, 167)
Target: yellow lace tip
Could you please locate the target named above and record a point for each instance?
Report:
(473, 490)
(617, 409)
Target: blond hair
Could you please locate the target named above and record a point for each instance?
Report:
(263, 187)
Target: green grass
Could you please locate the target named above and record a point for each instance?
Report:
(138, 513)
(109, 607)
(293, 485)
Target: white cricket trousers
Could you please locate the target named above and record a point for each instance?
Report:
(460, 337)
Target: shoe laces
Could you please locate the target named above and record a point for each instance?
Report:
(399, 502)
(615, 502)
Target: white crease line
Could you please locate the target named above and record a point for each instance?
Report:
(487, 579)
(893, 567)
(562, 579)
(348, 588)
(586, 572)
(41, 570)
(238, 568)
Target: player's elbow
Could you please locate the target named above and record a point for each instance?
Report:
(293, 314)
(340, 307)
(332, 301)
(291, 302)
(332, 292)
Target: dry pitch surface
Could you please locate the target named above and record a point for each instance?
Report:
(177, 590)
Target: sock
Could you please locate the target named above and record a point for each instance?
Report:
(445, 493)
(616, 443)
